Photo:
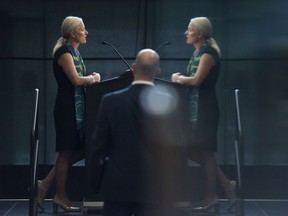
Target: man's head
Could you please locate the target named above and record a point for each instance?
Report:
(147, 65)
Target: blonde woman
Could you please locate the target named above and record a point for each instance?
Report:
(201, 77)
(69, 110)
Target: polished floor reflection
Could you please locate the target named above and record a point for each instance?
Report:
(251, 208)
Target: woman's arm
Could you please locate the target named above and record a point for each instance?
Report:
(67, 63)
(205, 64)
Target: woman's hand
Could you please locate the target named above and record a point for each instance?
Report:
(176, 77)
(96, 76)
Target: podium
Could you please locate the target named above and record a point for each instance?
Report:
(94, 94)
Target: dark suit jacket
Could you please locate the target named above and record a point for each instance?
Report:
(144, 151)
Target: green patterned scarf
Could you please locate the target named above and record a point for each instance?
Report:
(193, 92)
(79, 92)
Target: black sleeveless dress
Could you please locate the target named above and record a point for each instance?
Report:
(203, 111)
(69, 136)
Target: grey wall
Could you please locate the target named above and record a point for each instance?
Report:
(253, 36)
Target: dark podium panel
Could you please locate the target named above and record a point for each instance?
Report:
(94, 94)
(92, 202)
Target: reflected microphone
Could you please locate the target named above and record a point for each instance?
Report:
(107, 43)
(162, 45)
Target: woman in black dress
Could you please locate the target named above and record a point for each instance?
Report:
(69, 110)
(202, 74)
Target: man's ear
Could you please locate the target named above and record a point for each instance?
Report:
(158, 72)
(133, 67)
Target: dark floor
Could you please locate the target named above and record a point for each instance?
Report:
(251, 208)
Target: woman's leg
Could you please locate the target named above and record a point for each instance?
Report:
(228, 186)
(211, 169)
(44, 186)
(61, 172)
(64, 161)
(49, 179)
(208, 161)
(214, 175)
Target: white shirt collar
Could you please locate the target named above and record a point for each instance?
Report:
(142, 82)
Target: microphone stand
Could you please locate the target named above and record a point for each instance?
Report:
(162, 45)
(128, 72)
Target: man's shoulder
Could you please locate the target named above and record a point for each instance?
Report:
(116, 93)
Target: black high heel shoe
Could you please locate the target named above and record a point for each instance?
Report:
(206, 207)
(58, 203)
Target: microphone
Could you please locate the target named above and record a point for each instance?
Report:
(162, 45)
(107, 43)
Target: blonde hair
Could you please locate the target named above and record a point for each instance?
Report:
(203, 25)
(69, 24)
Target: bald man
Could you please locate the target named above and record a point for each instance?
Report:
(136, 135)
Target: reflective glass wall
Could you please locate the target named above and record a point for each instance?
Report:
(252, 35)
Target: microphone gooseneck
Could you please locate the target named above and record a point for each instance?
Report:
(107, 43)
(163, 44)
